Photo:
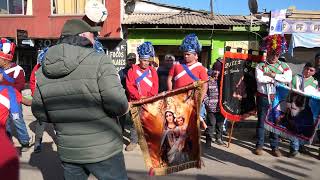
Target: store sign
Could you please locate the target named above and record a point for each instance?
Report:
(296, 26)
(44, 43)
(245, 45)
(119, 55)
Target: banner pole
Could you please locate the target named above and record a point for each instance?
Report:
(230, 133)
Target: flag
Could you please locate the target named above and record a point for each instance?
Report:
(238, 86)
(293, 114)
(168, 129)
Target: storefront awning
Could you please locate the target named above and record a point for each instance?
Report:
(307, 40)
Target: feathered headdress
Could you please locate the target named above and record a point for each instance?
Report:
(191, 44)
(276, 43)
(145, 50)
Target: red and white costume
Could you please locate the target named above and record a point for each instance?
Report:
(181, 77)
(33, 80)
(147, 87)
(17, 73)
(5, 105)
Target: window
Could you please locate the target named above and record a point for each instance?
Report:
(18, 7)
(69, 7)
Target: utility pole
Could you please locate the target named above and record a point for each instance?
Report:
(211, 8)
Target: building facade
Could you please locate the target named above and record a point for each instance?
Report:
(165, 26)
(36, 24)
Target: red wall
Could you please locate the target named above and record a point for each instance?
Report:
(43, 25)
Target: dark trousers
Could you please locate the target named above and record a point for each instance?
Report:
(127, 120)
(112, 168)
(40, 127)
(215, 124)
(262, 108)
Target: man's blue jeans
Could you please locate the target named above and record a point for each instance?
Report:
(112, 168)
(21, 128)
(262, 107)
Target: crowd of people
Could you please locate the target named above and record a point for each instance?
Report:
(76, 87)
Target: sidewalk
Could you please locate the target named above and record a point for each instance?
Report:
(236, 162)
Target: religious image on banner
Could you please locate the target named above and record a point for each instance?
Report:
(168, 129)
(238, 85)
(293, 114)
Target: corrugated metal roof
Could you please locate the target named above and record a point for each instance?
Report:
(187, 18)
(305, 15)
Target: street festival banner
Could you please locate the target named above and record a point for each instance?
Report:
(238, 85)
(293, 114)
(168, 129)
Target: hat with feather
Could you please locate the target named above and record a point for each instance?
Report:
(191, 44)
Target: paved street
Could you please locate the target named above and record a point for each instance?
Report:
(237, 162)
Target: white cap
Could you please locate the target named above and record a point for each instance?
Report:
(96, 11)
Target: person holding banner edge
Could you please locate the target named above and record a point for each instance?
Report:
(190, 70)
(307, 84)
(269, 73)
(141, 82)
(317, 77)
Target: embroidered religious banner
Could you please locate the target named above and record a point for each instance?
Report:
(168, 129)
(238, 85)
(293, 114)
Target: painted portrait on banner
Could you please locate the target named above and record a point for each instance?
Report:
(168, 129)
(293, 114)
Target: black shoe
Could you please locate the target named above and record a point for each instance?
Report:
(208, 141)
(37, 148)
(293, 153)
(25, 147)
(303, 150)
(225, 133)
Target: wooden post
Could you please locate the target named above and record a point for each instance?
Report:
(230, 133)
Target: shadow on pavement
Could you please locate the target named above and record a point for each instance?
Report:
(224, 156)
(47, 161)
(138, 175)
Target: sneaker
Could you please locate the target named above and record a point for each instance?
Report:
(293, 153)
(258, 151)
(276, 153)
(220, 142)
(131, 147)
(26, 147)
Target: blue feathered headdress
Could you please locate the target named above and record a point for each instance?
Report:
(190, 44)
(41, 55)
(145, 50)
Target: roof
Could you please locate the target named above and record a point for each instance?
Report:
(170, 6)
(187, 18)
(304, 15)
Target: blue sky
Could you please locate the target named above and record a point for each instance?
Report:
(240, 7)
